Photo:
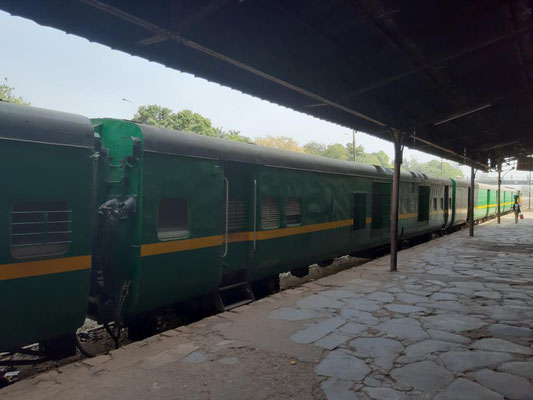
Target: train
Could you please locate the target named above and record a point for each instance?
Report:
(111, 220)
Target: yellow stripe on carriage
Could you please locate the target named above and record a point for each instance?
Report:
(173, 246)
(43, 267)
(153, 249)
(495, 205)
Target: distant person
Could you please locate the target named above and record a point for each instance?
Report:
(516, 209)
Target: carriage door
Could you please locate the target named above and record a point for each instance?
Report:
(446, 205)
(234, 288)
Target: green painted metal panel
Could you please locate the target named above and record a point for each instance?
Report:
(43, 307)
(176, 276)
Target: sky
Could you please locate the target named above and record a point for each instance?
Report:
(64, 72)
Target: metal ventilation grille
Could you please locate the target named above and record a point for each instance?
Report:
(293, 211)
(237, 215)
(40, 229)
(270, 213)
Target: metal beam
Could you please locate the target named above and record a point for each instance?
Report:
(187, 22)
(462, 114)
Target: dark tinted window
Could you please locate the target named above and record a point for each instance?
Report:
(172, 219)
(381, 198)
(423, 203)
(359, 211)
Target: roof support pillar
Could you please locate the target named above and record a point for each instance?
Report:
(529, 195)
(398, 138)
(471, 200)
(499, 189)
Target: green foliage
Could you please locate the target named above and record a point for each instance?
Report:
(233, 135)
(6, 94)
(279, 142)
(186, 121)
(315, 148)
(337, 151)
(433, 167)
(378, 158)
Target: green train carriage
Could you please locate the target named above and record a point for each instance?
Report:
(46, 217)
(275, 202)
(154, 217)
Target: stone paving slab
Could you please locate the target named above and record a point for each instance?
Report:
(454, 323)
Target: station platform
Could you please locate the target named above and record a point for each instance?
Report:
(455, 322)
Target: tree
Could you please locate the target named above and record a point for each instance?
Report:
(233, 135)
(279, 142)
(382, 159)
(336, 151)
(185, 120)
(433, 168)
(315, 148)
(6, 94)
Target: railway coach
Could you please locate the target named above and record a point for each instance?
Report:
(117, 219)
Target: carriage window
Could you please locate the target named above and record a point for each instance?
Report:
(237, 215)
(172, 219)
(449, 203)
(270, 213)
(381, 199)
(442, 203)
(434, 203)
(293, 212)
(423, 203)
(40, 228)
(359, 211)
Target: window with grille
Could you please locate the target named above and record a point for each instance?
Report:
(237, 215)
(270, 213)
(40, 228)
(359, 211)
(172, 219)
(293, 211)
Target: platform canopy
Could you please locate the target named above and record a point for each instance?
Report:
(455, 76)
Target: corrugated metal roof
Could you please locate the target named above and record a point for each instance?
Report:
(370, 66)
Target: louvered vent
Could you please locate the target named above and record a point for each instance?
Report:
(237, 215)
(270, 213)
(40, 229)
(293, 211)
